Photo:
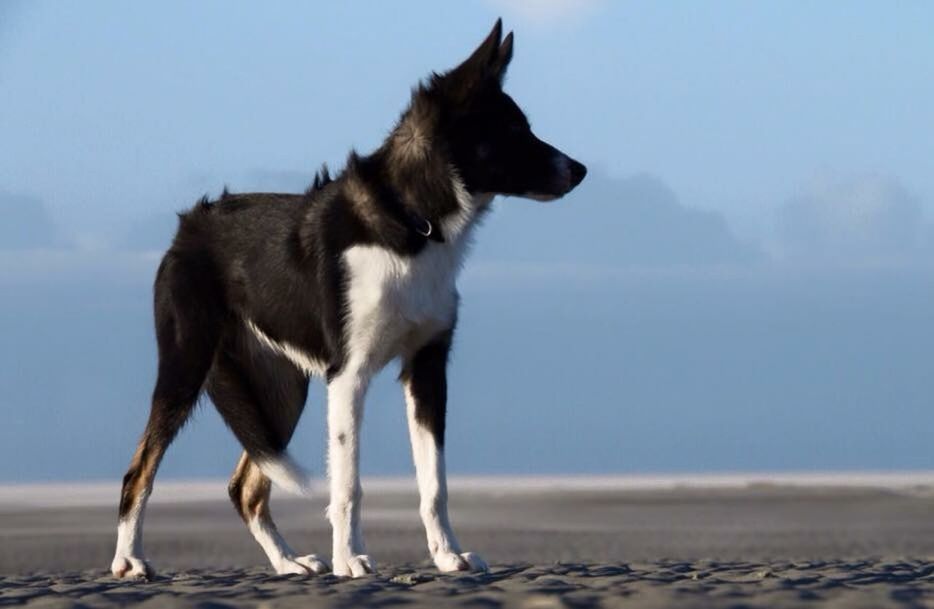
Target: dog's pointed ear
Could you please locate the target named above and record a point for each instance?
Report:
(486, 54)
(483, 63)
(503, 57)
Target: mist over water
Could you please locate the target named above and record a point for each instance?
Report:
(725, 369)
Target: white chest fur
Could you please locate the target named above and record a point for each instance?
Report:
(398, 303)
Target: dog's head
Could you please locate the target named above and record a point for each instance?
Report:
(486, 136)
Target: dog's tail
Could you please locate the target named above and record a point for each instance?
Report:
(285, 473)
(263, 426)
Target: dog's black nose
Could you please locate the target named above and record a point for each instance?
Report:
(578, 171)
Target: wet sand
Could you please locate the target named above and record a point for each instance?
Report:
(550, 543)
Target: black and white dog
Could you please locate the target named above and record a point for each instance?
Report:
(259, 292)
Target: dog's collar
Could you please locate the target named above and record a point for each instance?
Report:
(415, 222)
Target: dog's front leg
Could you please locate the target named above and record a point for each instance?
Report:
(346, 394)
(424, 381)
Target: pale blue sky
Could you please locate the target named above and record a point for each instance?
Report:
(745, 281)
(127, 107)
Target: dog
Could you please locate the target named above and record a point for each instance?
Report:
(259, 292)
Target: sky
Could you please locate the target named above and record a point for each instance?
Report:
(744, 281)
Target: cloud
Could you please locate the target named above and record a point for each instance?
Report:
(867, 218)
(631, 222)
(546, 13)
(65, 269)
(26, 224)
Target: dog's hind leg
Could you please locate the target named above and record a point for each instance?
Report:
(424, 380)
(165, 419)
(187, 330)
(249, 491)
(261, 396)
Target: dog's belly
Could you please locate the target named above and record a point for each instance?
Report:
(397, 304)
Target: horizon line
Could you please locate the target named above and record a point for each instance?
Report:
(94, 493)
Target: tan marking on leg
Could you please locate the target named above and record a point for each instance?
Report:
(256, 494)
(249, 490)
(142, 472)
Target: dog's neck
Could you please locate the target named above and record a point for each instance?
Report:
(418, 187)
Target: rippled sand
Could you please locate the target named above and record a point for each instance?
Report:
(551, 545)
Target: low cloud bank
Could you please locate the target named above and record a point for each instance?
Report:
(637, 221)
(857, 220)
(26, 224)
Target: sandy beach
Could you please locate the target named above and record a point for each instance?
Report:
(728, 541)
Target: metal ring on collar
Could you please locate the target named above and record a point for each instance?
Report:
(424, 232)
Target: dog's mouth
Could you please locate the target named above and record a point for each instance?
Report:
(569, 174)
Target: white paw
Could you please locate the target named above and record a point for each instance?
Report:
(357, 565)
(302, 565)
(314, 563)
(131, 567)
(288, 566)
(465, 561)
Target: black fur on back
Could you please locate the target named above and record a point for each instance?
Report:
(322, 179)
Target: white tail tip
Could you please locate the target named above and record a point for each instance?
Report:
(286, 474)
